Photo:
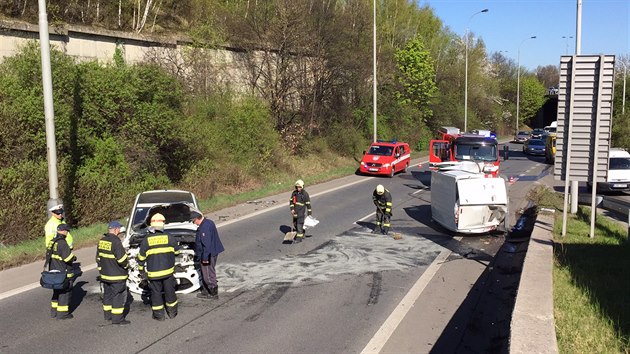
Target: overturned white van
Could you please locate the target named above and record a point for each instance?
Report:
(464, 201)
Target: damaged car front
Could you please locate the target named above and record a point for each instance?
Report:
(176, 206)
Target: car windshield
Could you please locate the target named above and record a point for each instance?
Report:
(619, 163)
(536, 142)
(538, 131)
(475, 152)
(380, 150)
(523, 133)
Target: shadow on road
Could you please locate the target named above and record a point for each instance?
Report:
(482, 322)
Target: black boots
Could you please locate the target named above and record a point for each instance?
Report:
(377, 230)
(214, 292)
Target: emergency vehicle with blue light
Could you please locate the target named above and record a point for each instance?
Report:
(454, 147)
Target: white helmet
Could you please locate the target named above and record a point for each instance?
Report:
(157, 221)
(299, 183)
(380, 189)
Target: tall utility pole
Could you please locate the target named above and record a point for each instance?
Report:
(518, 82)
(49, 113)
(466, 71)
(374, 66)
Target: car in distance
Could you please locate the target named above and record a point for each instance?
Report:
(521, 137)
(537, 133)
(534, 147)
(176, 206)
(386, 158)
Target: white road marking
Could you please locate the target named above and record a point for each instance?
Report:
(244, 217)
(376, 344)
(365, 217)
(28, 287)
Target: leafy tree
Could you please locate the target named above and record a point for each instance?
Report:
(533, 97)
(416, 76)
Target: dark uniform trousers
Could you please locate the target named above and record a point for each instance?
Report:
(169, 299)
(382, 220)
(114, 299)
(60, 301)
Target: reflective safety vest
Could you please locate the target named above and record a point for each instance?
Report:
(50, 231)
(62, 257)
(158, 251)
(111, 259)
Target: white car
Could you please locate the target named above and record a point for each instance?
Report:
(176, 206)
(618, 171)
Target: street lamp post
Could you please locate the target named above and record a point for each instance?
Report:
(49, 112)
(466, 71)
(623, 96)
(518, 82)
(566, 44)
(374, 91)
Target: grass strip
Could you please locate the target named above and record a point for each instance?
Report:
(591, 279)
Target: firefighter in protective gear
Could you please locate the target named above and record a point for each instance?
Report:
(383, 201)
(62, 260)
(300, 204)
(158, 251)
(112, 263)
(50, 229)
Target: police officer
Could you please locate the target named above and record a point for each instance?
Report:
(207, 248)
(300, 203)
(383, 201)
(158, 251)
(50, 229)
(112, 263)
(61, 259)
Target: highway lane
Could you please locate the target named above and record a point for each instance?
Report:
(329, 293)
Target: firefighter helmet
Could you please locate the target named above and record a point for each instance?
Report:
(380, 189)
(299, 183)
(157, 221)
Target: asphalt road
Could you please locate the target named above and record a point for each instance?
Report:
(328, 294)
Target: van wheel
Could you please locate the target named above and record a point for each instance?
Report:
(406, 167)
(393, 171)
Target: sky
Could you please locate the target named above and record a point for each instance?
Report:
(509, 24)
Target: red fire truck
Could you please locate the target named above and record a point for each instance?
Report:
(454, 146)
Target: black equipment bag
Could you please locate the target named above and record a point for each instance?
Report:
(53, 279)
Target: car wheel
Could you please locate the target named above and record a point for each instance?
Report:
(392, 172)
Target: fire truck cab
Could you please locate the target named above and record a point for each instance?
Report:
(454, 147)
(386, 158)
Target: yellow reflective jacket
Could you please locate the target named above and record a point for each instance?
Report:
(50, 231)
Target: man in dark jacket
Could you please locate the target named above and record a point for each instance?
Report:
(207, 248)
(158, 251)
(61, 259)
(300, 205)
(383, 201)
(112, 263)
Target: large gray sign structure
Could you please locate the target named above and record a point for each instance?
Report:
(585, 102)
(585, 108)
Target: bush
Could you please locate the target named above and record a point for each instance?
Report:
(23, 202)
